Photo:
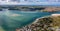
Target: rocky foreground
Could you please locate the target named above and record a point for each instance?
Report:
(50, 23)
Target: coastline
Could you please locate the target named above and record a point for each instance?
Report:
(37, 20)
(40, 18)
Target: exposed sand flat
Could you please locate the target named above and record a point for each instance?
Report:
(15, 15)
(55, 15)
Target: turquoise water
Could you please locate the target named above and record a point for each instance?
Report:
(10, 19)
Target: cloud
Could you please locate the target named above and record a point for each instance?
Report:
(29, 3)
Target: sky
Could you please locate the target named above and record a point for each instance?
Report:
(29, 2)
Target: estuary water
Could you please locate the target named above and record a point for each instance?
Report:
(12, 19)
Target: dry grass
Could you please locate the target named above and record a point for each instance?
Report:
(56, 21)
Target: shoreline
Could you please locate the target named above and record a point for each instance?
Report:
(40, 18)
(36, 20)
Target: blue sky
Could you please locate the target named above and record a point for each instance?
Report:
(42, 2)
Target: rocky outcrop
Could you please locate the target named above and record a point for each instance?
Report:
(50, 23)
